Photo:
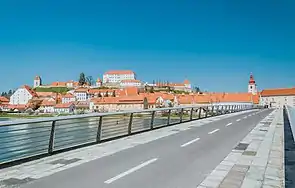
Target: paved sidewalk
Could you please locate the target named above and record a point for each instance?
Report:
(257, 161)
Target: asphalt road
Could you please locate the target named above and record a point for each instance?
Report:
(177, 161)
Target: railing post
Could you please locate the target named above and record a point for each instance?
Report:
(181, 115)
(207, 109)
(153, 119)
(221, 111)
(191, 115)
(130, 124)
(200, 111)
(51, 139)
(98, 135)
(169, 116)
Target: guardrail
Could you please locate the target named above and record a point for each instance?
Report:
(26, 140)
(291, 114)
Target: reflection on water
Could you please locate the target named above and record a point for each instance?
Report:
(30, 139)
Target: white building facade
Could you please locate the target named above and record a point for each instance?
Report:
(118, 76)
(22, 96)
(277, 98)
(68, 98)
(252, 87)
(130, 83)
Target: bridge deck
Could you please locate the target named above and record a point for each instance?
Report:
(177, 156)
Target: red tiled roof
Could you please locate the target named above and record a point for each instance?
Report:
(46, 94)
(17, 106)
(68, 95)
(81, 89)
(32, 92)
(63, 105)
(48, 103)
(278, 92)
(3, 99)
(186, 82)
(119, 72)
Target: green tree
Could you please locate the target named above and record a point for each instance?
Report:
(82, 79)
(9, 93)
(197, 89)
(152, 89)
(89, 80)
(2, 94)
(145, 103)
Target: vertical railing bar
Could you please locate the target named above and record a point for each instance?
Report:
(98, 135)
(152, 120)
(191, 115)
(130, 124)
(181, 115)
(207, 109)
(51, 139)
(169, 116)
(200, 111)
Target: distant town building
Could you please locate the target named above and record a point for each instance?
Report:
(185, 86)
(81, 94)
(4, 102)
(130, 83)
(67, 98)
(64, 108)
(37, 81)
(117, 76)
(98, 82)
(22, 95)
(277, 98)
(252, 87)
(47, 106)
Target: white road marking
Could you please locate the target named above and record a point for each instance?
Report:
(238, 119)
(213, 131)
(245, 117)
(229, 124)
(190, 142)
(109, 181)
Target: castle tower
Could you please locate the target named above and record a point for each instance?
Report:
(98, 82)
(37, 81)
(252, 87)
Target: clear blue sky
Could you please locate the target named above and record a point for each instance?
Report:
(215, 44)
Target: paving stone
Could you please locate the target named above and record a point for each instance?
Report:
(250, 153)
(229, 183)
(271, 182)
(241, 146)
(223, 167)
(250, 183)
(256, 173)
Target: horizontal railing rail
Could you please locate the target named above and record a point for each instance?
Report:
(24, 140)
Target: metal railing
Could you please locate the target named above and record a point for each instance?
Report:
(25, 140)
(291, 116)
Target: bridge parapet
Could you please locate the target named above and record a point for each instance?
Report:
(26, 140)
